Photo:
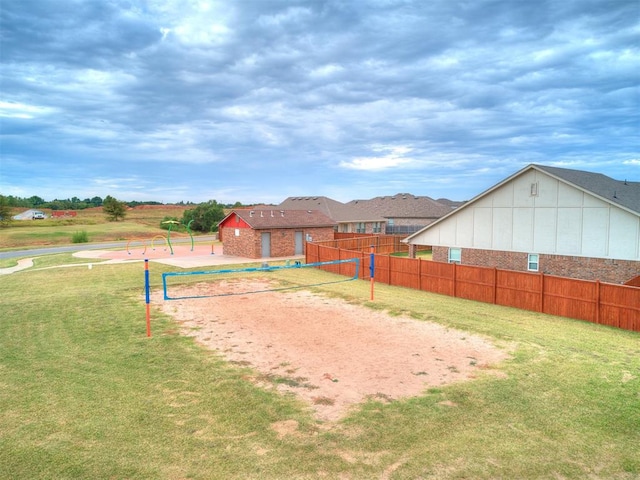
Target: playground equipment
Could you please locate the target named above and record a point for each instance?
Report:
(189, 231)
(175, 222)
(170, 223)
(154, 238)
(133, 240)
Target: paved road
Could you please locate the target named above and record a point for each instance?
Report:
(86, 246)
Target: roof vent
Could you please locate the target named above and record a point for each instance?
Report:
(251, 213)
(261, 214)
(282, 213)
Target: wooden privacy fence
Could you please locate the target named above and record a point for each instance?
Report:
(593, 301)
(362, 242)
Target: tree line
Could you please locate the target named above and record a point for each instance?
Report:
(73, 203)
(203, 217)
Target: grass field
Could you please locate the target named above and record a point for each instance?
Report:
(85, 394)
(139, 222)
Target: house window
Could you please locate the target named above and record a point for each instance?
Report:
(455, 255)
(360, 227)
(377, 227)
(533, 262)
(390, 226)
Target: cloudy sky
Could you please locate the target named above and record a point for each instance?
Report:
(258, 100)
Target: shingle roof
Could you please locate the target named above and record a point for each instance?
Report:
(277, 218)
(402, 205)
(621, 192)
(331, 208)
(450, 203)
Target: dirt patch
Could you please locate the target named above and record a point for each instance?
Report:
(330, 353)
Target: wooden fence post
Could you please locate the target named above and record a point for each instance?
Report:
(542, 292)
(597, 302)
(495, 285)
(455, 279)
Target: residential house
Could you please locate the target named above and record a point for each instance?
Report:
(402, 213)
(265, 233)
(559, 221)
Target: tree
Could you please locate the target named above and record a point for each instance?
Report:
(205, 216)
(36, 201)
(114, 209)
(5, 211)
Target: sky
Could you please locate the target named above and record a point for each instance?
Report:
(259, 100)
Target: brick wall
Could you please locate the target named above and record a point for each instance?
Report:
(605, 270)
(249, 243)
(242, 245)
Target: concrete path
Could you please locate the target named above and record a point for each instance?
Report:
(22, 264)
(191, 261)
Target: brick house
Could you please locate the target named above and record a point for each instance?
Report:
(402, 213)
(562, 222)
(262, 233)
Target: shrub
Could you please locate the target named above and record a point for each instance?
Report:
(80, 237)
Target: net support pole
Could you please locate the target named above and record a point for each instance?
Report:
(372, 268)
(146, 294)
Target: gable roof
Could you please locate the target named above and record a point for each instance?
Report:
(621, 193)
(263, 219)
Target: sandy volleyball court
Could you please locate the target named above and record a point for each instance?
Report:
(330, 353)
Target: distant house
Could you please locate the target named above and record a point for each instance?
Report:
(399, 214)
(563, 222)
(269, 233)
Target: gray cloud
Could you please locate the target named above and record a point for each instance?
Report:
(259, 100)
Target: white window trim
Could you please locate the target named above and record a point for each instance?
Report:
(531, 261)
(459, 255)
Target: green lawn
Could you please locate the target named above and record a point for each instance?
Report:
(85, 394)
(139, 223)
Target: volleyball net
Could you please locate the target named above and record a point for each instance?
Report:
(266, 278)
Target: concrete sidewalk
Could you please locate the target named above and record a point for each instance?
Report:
(104, 257)
(22, 264)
